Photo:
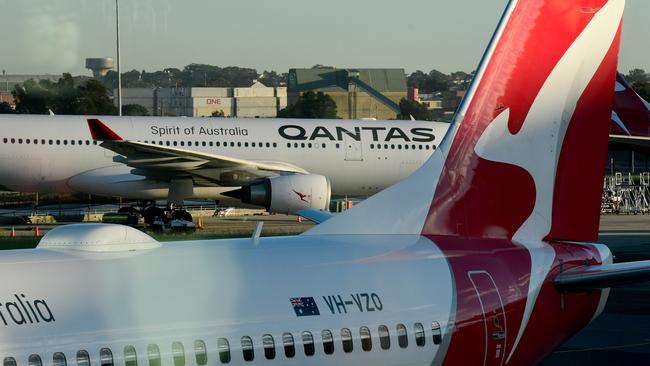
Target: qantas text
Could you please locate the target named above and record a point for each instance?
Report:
(416, 134)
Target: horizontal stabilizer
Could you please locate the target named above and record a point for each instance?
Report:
(602, 276)
(99, 131)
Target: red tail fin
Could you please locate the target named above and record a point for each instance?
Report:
(632, 113)
(99, 131)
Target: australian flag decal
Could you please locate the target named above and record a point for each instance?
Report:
(304, 306)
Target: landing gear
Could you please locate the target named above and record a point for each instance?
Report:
(151, 214)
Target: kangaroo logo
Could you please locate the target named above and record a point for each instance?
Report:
(302, 196)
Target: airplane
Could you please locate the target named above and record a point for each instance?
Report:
(283, 165)
(454, 265)
(631, 117)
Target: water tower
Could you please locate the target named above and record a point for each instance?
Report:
(99, 66)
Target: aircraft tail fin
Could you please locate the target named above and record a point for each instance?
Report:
(631, 114)
(99, 131)
(524, 156)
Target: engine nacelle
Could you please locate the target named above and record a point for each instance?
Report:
(287, 193)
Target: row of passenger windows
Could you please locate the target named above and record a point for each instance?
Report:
(248, 347)
(215, 143)
(400, 146)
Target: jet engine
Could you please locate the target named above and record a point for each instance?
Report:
(287, 193)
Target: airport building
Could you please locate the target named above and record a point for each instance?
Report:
(256, 101)
(358, 93)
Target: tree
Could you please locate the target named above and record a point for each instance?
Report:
(5, 108)
(409, 108)
(637, 76)
(134, 110)
(218, 113)
(93, 99)
(311, 105)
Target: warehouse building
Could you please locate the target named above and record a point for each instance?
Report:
(256, 101)
(358, 93)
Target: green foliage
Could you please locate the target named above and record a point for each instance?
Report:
(134, 110)
(273, 79)
(63, 97)
(218, 113)
(311, 105)
(5, 108)
(640, 82)
(409, 108)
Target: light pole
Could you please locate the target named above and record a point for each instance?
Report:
(119, 71)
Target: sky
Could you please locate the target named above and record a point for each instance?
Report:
(55, 36)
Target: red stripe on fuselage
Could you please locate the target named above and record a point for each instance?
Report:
(508, 264)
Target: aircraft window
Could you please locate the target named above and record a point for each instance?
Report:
(58, 359)
(4, 140)
(392, 146)
(402, 336)
(94, 142)
(13, 141)
(328, 342)
(385, 146)
(210, 143)
(65, 142)
(378, 146)
(309, 145)
(42, 142)
(274, 144)
(437, 334)
(420, 147)
(433, 147)
(288, 144)
(27, 141)
(289, 347)
(247, 348)
(366, 339)
(9, 361)
(224, 350)
(346, 339)
(34, 360)
(83, 358)
(183, 143)
(239, 144)
(175, 143)
(232, 144)
(295, 144)
(324, 145)
(399, 147)
(245, 144)
(196, 143)
(153, 354)
(372, 146)
(308, 343)
(167, 143)
(200, 352)
(406, 147)
(36, 141)
(420, 338)
(72, 142)
(130, 357)
(384, 337)
(160, 143)
(80, 142)
(426, 147)
(105, 357)
(338, 145)
(269, 346)
(178, 354)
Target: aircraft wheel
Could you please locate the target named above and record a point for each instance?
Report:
(182, 215)
(150, 214)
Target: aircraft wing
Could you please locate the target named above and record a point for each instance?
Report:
(160, 162)
(632, 141)
(602, 276)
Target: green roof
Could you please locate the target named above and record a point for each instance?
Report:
(331, 79)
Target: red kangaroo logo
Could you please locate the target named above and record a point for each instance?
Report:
(301, 195)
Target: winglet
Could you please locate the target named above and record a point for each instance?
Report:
(99, 131)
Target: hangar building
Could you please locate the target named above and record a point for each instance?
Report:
(358, 93)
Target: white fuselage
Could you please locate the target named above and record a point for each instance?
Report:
(57, 153)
